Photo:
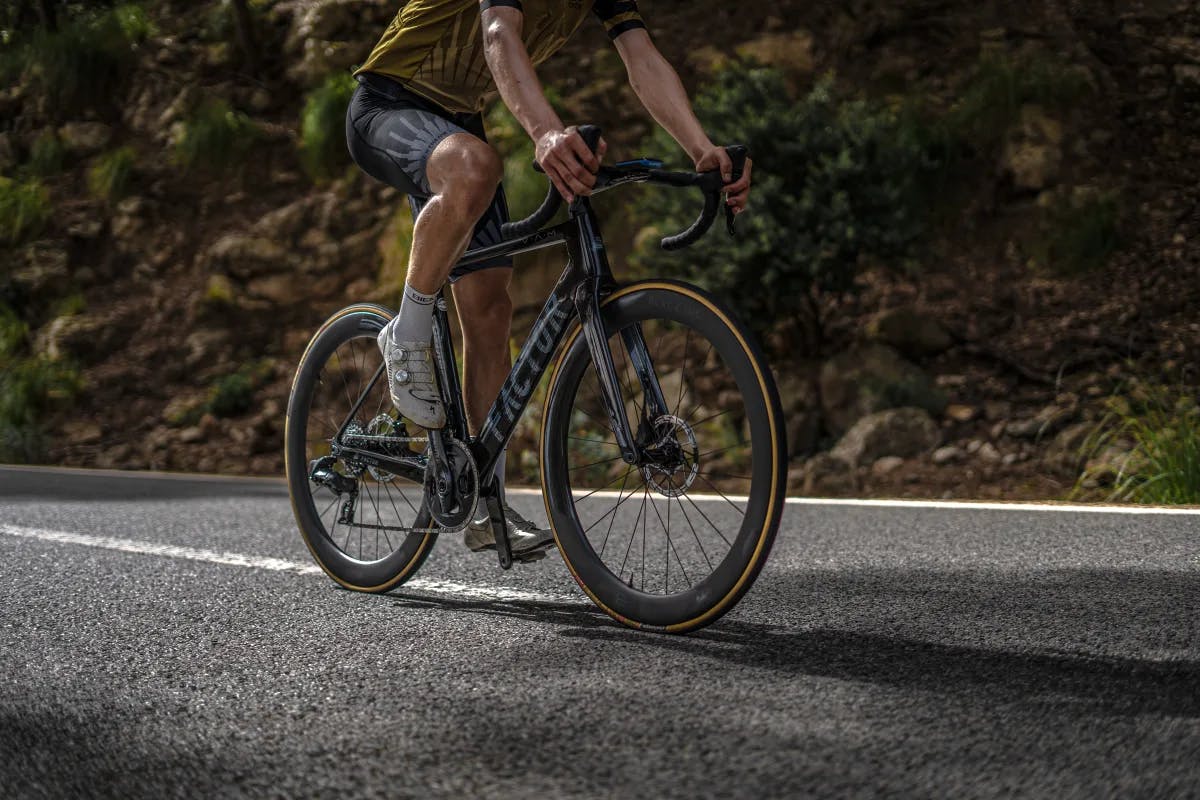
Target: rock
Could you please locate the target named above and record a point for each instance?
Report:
(1188, 75)
(1048, 421)
(873, 378)
(947, 455)
(996, 410)
(81, 431)
(1066, 453)
(886, 465)
(191, 435)
(321, 58)
(85, 138)
(1033, 152)
(127, 222)
(791, 52)
(247, 256)
(205, 348)
(826, 475)
(281, 289)
(85, 228)
(903, 432)
(961, 413)
(87, 338)
(910, 331)
(988, 452)
(46, 273)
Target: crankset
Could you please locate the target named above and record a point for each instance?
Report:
(451, 483)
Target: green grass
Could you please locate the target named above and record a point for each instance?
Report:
(31, 387)
(1163, 467)
(216, 138)
(111, 176)
(323, 127)
(46, 157)
(24, 209)
(1079, 233)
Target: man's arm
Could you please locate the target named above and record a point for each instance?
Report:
(560, 150)
(658, 87)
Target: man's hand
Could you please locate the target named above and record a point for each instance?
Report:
(568, 162)
(737, 193)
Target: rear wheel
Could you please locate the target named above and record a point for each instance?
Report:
(672, 542)
(367, 528)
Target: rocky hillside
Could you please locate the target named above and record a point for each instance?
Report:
(187, 246)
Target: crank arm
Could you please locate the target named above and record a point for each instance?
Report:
(500, 528)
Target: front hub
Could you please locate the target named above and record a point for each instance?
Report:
(671, 463)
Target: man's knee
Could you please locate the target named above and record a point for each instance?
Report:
(468, 171)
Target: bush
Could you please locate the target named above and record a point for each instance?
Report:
(110, 178)
(215, 137)
(46, 157)
(1079, 233)
(323, 127)
(991, 100)
(83, 62)
(1164, 466)
(24, 208)
(837, 183)
(234, 394)
(30, 388)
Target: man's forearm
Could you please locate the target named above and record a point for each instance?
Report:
(518, 82)
(658, 86)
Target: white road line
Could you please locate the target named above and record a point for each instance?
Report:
(458, 591)
(952, 505)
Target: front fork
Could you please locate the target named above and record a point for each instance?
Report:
(587, 303)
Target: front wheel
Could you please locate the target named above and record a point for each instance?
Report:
(672, 542)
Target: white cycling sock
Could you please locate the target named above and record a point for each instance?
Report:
(414, 323)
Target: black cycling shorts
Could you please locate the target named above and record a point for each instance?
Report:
(391, 133)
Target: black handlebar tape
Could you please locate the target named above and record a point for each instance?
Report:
(590, 135)
(737, 154)
(532, 223)
(712, 202)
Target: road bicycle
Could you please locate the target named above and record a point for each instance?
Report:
(663, 460)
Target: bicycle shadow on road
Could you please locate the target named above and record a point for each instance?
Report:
(995, 639)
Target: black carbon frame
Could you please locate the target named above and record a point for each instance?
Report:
(577, 294)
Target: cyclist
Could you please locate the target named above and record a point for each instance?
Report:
(414, 122)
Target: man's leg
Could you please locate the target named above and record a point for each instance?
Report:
(485, 311)
(463, 173)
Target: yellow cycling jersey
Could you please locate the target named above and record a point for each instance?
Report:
(435, 47)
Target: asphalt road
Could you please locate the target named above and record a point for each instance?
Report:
(167, 637)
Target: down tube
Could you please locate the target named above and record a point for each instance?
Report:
(539, 349)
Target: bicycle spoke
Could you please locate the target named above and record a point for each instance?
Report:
(703, 552)
(613, 512)
(633, 535)
(722, 494)
(597, 463)
(605, 486)
(594, 441)
(700, 511)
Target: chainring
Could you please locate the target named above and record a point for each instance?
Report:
(465, 496)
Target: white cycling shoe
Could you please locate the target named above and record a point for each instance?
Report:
(525, 538)
(411, 380)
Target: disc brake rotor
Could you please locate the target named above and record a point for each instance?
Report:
(677, 457)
